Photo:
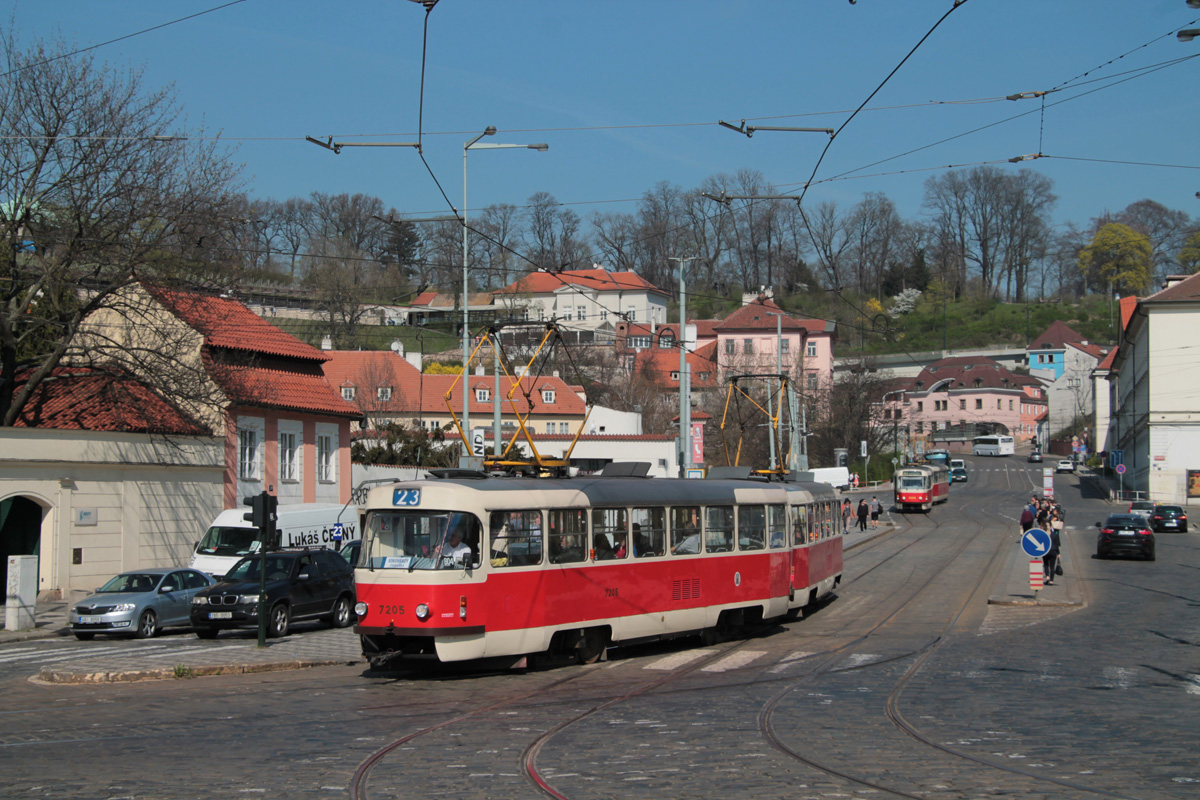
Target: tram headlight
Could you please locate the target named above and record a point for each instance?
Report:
(422, 612)
(360, 608)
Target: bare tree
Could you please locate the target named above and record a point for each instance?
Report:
(102, 189)
(830, 236)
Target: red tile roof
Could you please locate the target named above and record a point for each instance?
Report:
(416, 394)
(1055, 337)
(963, 371)
(228, 324)
(761, 315)
(293, 389)
(78, 398)
(595, 279)
(1186, 290)
(657, 364)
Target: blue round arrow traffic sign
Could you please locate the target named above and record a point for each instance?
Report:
(1035, 542)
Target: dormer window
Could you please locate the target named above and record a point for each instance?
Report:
(347, 392)
(482, 395)
(547, 396)
(978, 382)
(384, 393)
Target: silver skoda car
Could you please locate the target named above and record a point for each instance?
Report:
(139, 603)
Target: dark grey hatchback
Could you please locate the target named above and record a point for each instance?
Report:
(301, 584)
(1125, 533)
(1168, 518)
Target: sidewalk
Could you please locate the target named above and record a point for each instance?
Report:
(181, 655)
(1012, 589)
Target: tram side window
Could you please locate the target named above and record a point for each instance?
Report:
(685, 530)
(799, 524)
(610, 533)
(777, 525)
(568, 536)
(752, 527)
(718, 529)
(823, 522)
(649, 531)
(833, 522)
(516, 538)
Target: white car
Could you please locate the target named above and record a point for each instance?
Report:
(1066, 465)
(1142, 507)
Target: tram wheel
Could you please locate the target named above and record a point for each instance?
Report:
(591, 646)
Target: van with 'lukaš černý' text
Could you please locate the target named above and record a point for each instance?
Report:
(231, 537)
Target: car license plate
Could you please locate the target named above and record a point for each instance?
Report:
(90, 620)
(220, 615)
(1125, 533)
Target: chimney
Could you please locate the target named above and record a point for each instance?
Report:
(1171, 280)
(326, 343)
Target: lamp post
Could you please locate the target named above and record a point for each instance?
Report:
(475, 144)
(685, 401)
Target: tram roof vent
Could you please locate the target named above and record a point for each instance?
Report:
(457, 473)
(728, 473)
(626, 469)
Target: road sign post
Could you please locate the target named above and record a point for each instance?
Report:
(1036, 571)
(1035, 542)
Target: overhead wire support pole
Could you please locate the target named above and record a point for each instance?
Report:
(685, 401)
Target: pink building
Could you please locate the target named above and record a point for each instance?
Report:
(760, 335)
(957, 398)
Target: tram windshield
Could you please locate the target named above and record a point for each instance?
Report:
(912, 483)
(415, 540)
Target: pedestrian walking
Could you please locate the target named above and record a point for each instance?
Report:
(863, 510)
(847, 513)
(876, 510)
(1050, 560)
(1027, 518)
(854, 480)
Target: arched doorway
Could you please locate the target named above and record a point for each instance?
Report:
(20, 530)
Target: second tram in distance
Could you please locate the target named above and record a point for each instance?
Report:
(918, 487)
(469, 566)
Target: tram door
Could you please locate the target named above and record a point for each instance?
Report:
(803, 524)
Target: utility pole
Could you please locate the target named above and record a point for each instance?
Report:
(685, 400)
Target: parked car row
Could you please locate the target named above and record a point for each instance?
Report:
(302, 583)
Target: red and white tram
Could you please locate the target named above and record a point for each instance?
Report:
(574, 565)
(921, 486)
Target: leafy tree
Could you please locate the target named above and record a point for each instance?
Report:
(1119, 254)
(1189, 254)
(101, 190)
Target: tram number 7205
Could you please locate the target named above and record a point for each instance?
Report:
(610, 592)
(396, 610)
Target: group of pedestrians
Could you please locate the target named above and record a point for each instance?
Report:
(1049, 516)
(864, 511)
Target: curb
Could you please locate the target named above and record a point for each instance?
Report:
(49, 675)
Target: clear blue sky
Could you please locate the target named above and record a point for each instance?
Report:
(628, 93)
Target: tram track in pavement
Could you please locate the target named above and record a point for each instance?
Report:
(894, 713)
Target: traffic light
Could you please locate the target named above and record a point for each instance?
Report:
(257, 516)
(270, 517)
(262, 514)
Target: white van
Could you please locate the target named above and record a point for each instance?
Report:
(837, 477)
(231, 536)
(958, 463)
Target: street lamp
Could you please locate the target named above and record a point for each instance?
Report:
(475, 144)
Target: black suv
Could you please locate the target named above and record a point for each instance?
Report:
(1168, 518)
(1125, 533)
(301, 584)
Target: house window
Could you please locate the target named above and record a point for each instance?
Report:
(978, 403)
(325, 459)
(812, 350)
(347, 392)
(812, 381)
(919, 427)
(603, 314)
(729, 347)
(920, 405)
(482, 395)
(785, 346)
(1010, 405)
(567, 313)
(548, 397)
(248, 455)
(564, 427)
(639, 341)
(582, 313)
(666, 341)
(962, 405)
(748, 346)
(675, 375)
(1000, 405)
(384, 393)
(631, 313)
(289, 458)
(898, 413)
